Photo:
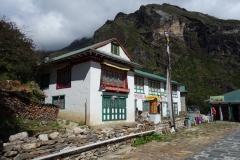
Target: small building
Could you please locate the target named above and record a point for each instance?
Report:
(93, 85)
(100, 84)
(227, 106)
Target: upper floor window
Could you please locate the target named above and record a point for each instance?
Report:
(115, 48)
(64, 78)
(154, 87)
(174, 88)
(164, 86)
(114, 77)
(138, 85)
(45, 78)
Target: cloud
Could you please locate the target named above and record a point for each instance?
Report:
(54, 24)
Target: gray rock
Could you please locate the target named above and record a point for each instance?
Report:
(82, 136)
(31, 146)
(44, 123)
(54, 135)
(78, 130)
(43, 137)
(8, 147)
(4, 158)
(61, 140)
(10, 153)
(21, 156)
(17, 147)
(47, 151)
(50, 142)
(18, 136)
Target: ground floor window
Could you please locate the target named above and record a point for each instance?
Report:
(113, 108)
(145, 106)
(175, 108)
(59, 100)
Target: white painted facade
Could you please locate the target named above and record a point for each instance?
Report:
(140, 97)
(84, 98)
(107, 49)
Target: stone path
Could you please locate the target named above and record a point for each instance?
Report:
(227, 148)
(186, 144)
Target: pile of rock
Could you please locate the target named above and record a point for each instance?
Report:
(16, 106)
(20, 146)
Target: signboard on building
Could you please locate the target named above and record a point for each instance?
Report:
(216, 98)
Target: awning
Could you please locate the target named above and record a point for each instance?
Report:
(152, 98)
(114, 66)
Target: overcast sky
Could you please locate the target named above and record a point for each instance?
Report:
(54, 24)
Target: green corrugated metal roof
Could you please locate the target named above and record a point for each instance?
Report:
(76, 52)
(152, 76)
(182, 89)
(82, 50)
(233, 96)
(117, 57)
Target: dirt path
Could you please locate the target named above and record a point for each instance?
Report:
(179, 145)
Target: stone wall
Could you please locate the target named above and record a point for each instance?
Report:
(20, 146)
(14, 105)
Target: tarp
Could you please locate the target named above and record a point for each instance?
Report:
(152, 98)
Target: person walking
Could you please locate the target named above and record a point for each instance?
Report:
(214, 114)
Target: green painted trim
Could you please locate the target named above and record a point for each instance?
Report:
(146, 74)
(173, 109)
(116, 116)
(139, 92)
(60, 96)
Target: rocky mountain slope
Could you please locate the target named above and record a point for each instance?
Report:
(205, 50)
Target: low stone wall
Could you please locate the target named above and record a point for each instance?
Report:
(14, 105)
(20, 146)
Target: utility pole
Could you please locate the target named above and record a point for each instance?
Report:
(169, 83)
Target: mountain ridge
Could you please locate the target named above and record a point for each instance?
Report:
(205, 50)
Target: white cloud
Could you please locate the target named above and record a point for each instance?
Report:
(54, 24)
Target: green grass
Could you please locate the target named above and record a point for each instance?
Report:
(147, 138)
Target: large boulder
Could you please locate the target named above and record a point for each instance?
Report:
(18, 136)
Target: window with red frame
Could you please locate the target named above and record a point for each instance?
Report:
(114, 78)
(64, 78)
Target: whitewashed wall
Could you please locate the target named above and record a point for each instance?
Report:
(95, 103)
(107, 49)
(141, 97)
(76, 96)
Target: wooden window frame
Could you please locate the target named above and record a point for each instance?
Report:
(108, 78)
(138, 87)
(45, 81)
(115, 49)
(154, 87)
(59, 96)
(175, 108)
(61, 71)
(174, 88)
(111, 109)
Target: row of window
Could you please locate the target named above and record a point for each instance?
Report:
(146, 105)
(112, 108)
(154, 86)
(110, 77)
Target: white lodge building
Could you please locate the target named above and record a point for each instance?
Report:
(95, 85)
(146, 84)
